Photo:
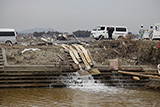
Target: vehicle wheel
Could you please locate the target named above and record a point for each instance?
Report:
(9, 43)
(96, 38)
(101, 37)
(120, 37)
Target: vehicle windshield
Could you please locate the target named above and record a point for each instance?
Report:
(94, 29)
(99, 28)
(157, 28)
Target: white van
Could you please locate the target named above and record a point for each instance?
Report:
(101, 32)
(156, 32)
(8, 36)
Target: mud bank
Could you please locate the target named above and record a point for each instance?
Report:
(34, 55)
(129, 52)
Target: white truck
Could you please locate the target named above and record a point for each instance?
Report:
(8, 36)
(152, 34)
(156, 32)
(101, 32)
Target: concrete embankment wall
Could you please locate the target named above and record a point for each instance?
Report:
(49, 76)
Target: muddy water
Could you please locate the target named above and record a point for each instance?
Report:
(75, 97)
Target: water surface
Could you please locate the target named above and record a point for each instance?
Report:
(68, 97)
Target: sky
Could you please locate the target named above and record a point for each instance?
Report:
(72, 15)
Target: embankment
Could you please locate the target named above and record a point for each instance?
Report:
(129, 52)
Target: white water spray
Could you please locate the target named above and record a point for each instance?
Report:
(85, 83)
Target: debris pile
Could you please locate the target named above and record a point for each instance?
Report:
(129, 52)
(41, 55)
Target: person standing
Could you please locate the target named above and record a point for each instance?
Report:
(151, 32)
(141, 32)
(110, 31)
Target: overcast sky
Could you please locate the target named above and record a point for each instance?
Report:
(72, 15)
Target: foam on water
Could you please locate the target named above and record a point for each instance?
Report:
(85, 83)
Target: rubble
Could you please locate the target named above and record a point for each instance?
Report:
(128, 52)
(44, 56)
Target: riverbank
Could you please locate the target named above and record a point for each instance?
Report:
(129, 52)
(51, 61)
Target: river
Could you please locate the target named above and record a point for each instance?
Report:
(68, 97)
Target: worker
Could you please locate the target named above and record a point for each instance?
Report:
(141, 32)
(110, 31)
(150, 32)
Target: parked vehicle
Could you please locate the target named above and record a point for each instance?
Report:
(147, 34)
(101, 32)
(152, 34)
(156, 32)
(8, 36)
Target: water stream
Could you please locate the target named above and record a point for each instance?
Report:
(88, 83)
(85, 83)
